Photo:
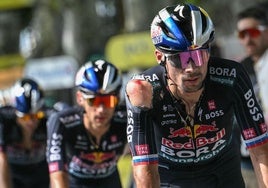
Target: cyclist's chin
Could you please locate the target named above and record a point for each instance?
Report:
(190, 88)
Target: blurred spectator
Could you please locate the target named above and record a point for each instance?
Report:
(253, 35)
(23, 138)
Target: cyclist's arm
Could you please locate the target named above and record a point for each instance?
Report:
(5, 177)
(139, 94)
(5, 180)
(259, 158)
(55, 153)
(59, 179)
(253, 127)
(146, 176)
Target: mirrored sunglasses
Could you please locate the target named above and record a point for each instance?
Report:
(109, 101)
(251, 32)
(36, 116)
(182, 59)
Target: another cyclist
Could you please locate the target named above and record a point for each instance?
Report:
(181, 112)
(86, 142)
(23, 138)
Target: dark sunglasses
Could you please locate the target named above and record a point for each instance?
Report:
(182, 59)
(109, 101)
(252, 32)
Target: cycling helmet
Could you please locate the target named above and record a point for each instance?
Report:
(181, 27)
(28, 96)
(98, 77)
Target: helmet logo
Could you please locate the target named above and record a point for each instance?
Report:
(99, 64)
(180, 9)
(194, 46)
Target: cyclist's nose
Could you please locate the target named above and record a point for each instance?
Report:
(100, 107)
(190, 65)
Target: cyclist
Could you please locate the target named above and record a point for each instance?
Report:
(181, 112)
(23, 138)
(85, 142)
(252, 32)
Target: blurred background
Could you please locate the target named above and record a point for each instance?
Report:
(49, 39)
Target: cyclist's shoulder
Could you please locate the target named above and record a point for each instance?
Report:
(222, 62)
(225, 68)
(151, 74)
(66, 116)
(7, 112)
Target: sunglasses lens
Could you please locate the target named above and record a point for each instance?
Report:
(182, 59)
(40, 115)
(109, 101)
(253, 33)
(27, 117)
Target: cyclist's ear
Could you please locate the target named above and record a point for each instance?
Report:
(79, 98)
(160, 57)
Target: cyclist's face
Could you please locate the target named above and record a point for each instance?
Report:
(98, 116)
(28, 122)
(253, 38)
(189, 79)
(98, 113)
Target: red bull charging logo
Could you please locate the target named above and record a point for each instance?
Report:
(97, 157)
(192, 132)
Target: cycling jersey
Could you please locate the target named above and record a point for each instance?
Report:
(205, 152)
(72, 148)
(28, 167)
(248, 63)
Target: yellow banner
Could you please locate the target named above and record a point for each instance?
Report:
(15, 4)
(134, 50)
(11, 60)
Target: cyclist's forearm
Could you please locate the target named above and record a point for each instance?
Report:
(5, 180)
(260, 163)
(146, 176)
(59, 180)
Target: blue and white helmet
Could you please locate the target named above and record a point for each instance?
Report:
(98, 77)
(181, 27)
(28, 96)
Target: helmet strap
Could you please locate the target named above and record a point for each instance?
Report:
(163, 61)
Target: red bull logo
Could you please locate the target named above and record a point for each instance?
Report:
(196, 131)
(203, 129)
(182, 132)
(97, 157)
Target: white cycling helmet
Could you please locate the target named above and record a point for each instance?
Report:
(181, 27)
(98, 77)
(29, 96)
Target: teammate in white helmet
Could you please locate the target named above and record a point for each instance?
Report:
(85, 142)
